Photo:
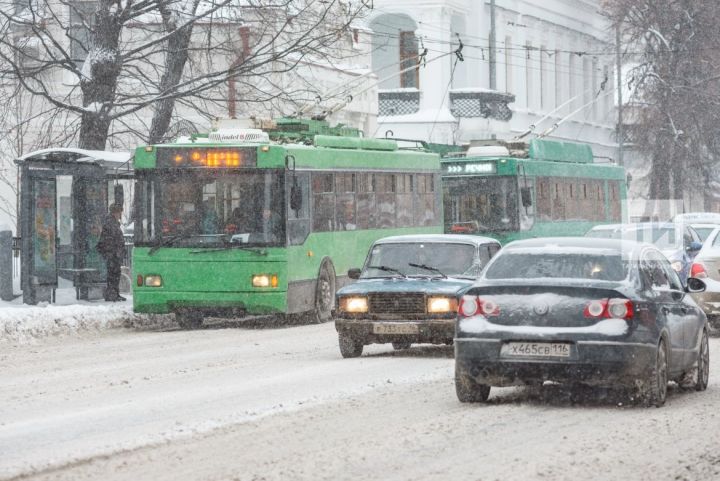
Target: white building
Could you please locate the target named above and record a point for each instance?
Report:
(550, 57)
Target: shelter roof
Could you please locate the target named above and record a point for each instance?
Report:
(107, 159)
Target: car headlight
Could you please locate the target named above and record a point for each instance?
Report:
(265, 280)
(354, 304)
(436, 305)
(153, 281)
(677, 266)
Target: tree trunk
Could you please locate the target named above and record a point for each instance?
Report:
(175, 60)
(99, 82)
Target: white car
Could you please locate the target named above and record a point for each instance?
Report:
(706, 266)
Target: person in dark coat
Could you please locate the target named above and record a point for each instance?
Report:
(112, 247)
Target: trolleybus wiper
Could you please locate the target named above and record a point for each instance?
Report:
(168, 242)
(427, 268)
(259, 252)
(387, 269)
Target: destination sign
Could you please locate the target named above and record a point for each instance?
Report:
(469, 168)
(207, 157)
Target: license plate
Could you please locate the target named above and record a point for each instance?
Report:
(395, 328)
(535, 349)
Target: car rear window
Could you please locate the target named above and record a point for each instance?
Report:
(518, 265)
(452, 259)
(660, 237)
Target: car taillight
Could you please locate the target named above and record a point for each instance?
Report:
(488, 307)
(471, 305)
(609, 309)
(139, 280)
(698, 270)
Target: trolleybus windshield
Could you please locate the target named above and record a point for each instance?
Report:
(211, 209)
(477, 204)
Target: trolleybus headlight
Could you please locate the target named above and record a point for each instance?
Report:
(354, 304)
(437, 305)
(265, 280)
(153, 281)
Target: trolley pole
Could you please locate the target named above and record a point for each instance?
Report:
(618, 61)
(491, 52)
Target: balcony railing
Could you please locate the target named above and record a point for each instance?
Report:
(398, 102)
(481, 103)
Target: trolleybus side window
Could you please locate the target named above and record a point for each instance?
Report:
(404, 200)
(366, 206)
(425, 200)
(345, 186)
(385, 198)
(323, 202)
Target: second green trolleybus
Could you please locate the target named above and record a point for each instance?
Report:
(251, 222)
(520, 190)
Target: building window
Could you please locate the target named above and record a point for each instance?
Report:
(408, 59)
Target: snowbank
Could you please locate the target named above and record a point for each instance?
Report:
(25, 324)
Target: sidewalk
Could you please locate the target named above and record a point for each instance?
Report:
(21, 323)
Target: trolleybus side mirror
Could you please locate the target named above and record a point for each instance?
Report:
(295, 196)
(354, 273)
(295, 191)
(526, 196)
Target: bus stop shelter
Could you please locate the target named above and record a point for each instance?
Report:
(64, 197)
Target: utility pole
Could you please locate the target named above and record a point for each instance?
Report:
(618, 61)
(491, 53)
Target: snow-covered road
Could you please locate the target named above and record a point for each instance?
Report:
(231, 402)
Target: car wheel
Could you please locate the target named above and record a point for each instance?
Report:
(399, 346)
(324, 293)
(703, 364)
(349, 346)
(189, 319)
(468, 390)
(657, 379)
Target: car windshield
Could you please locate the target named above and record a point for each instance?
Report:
(450, 259)
(526, 264)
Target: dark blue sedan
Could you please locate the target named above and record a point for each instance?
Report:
(580, 311)
(407, 290)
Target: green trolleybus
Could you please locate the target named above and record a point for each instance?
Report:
(542, 188)
(251, 222)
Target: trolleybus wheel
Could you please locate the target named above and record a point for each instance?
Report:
(189, 319)
(324, 293)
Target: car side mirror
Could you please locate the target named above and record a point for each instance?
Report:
(354, 273)
(694, 246)
(695, 285)
(526, 196)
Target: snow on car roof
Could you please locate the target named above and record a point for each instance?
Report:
(575, 245)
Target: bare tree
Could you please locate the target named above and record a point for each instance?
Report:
(676, 80)
(24, 127)
(115, 63)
